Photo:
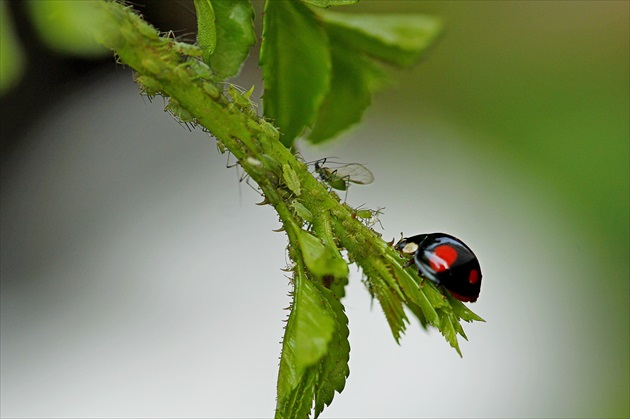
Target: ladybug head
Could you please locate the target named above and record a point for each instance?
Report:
(410, 245)
(407, 246)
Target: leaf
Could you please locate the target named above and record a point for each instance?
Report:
(309, 330)
(315, 352)
(355, 77)
(295, 64)
(234, 36)
(321, 260)
(298, 401)
(206, 29)
(396, 39)
(448, 330)
(314, 325)
(328, 3)
(334, 366)
(417, 311)
(69, 26)
(390, 301)
(462, 311)
(354, 80)
(412, 290)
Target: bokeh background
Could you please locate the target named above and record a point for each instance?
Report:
(138, 278)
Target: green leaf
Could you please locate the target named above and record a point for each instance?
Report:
(462, 311)
(234, 36)
(328, 3)
(448, 330)
(354, 79)
(314, 325)
(390, 300)
(416, 296)
(310, 328)
(321, 260)
(417, 311)
(315, 351)
(298, 401)
(69, 26)
(206, 29)
(334, 366)
(396, 39)
(12, 61)
(295, 64)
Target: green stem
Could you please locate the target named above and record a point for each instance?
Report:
(167, 67)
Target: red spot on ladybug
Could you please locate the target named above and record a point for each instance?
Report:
(473, 276)
(446, 261)
(442, 258)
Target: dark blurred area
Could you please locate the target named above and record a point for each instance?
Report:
(50, 76)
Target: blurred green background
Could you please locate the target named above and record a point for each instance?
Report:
(512, 134)
(549, 82)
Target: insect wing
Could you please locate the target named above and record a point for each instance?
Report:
(353, 172)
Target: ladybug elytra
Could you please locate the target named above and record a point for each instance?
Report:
(446, 261)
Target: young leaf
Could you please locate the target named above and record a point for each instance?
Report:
(206, 30)
(234, 36)
(395, 39)
(321, 261)
(295, 63)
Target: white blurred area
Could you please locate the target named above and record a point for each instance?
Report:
(140, 280)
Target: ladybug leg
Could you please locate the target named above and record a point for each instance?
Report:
(408, 264)
(421, 279)
(444, 291)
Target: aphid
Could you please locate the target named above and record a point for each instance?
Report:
(341, 176)
(291, 179)
(368, 216)
(302, 211)
(446, 261)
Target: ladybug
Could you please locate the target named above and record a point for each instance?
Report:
(446, 261)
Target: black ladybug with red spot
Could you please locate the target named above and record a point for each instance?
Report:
(446, 261)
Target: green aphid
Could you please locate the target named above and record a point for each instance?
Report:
(221, 147)
(211, 90)
(179, 111)
(291, 179)
(187, 49)
(340, 177)
(148, 85)
(269, 130)
(302, 211)
(241, 99)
